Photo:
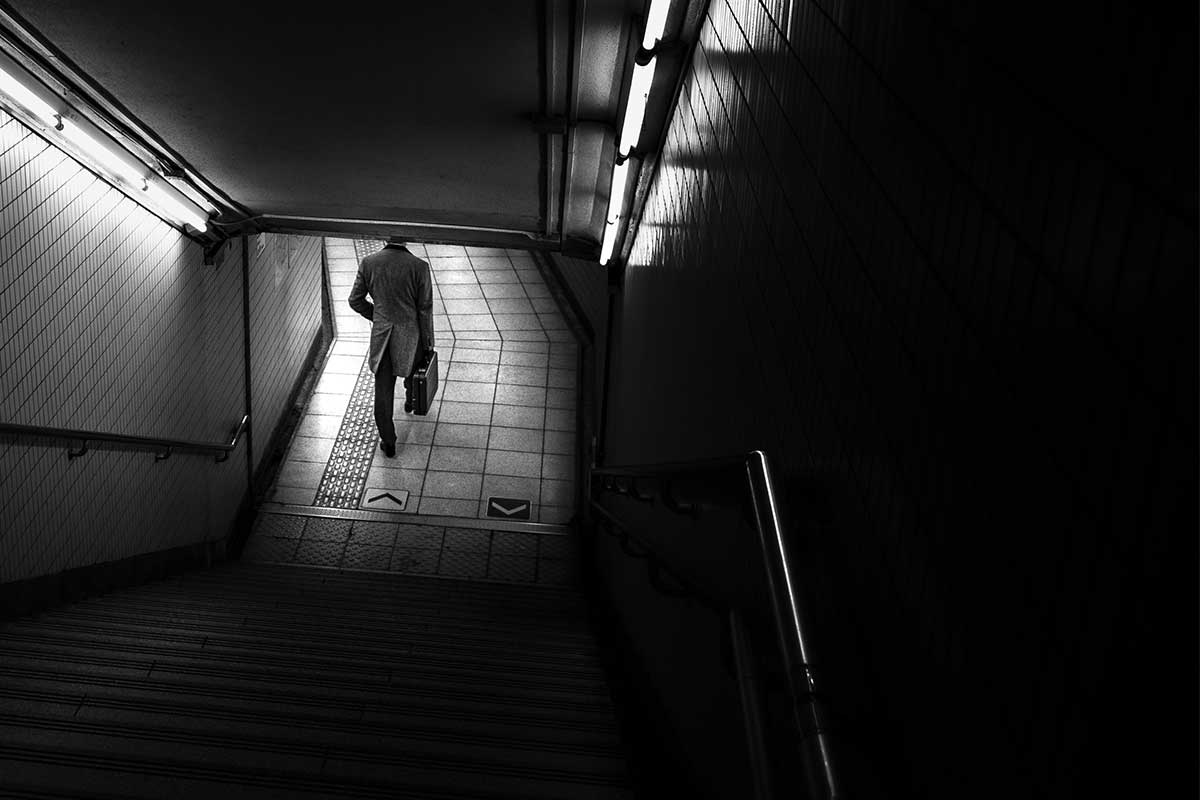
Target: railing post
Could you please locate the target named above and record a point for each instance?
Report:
(785, 606)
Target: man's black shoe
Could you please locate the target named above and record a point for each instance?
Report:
(389, 450)
(408, 406)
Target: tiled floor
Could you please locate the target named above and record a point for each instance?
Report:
(503, 425)
(401, 547)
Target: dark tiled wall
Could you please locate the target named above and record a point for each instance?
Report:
(953, 286)
(285, 316)
(109, 321)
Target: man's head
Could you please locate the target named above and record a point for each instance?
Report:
(397, 241)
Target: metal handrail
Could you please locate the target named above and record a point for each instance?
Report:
(162, 448)
(785, 603)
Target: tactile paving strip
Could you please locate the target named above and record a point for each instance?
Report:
(345, 475)
(364, 247)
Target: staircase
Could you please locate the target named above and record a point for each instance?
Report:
(263, 680)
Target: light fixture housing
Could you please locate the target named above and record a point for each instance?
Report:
(25, 97)
(656, 23)
(635, 106)
(34, 104)
(162, 200)
(123, 167)
(610, 241)
(616, 191)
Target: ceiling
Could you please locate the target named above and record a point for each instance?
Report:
(486, 122)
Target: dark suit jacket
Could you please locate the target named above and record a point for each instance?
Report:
(401, 317)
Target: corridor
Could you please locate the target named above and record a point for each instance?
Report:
(483, 485)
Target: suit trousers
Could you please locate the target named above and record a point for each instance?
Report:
(385, 399)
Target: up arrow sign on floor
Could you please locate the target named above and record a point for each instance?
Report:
(508, 507)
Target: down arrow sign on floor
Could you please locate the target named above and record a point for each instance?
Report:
(507, 507)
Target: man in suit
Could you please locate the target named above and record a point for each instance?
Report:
(401, 325)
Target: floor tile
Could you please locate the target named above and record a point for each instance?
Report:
(527, 347)
(467, 539)
(300, 473)
(464, 485)
(472, 322)
(559, 442)
(457, 459)
(463, 564)
(447, 507)
(518, 416)
(455, 263)
(511, 543)
(558, 467)
(374, 533)
(492, 291)
(414, 559)
(409, 535)
(464, 291)
(560, 419)
(414, 430)
(452, 434)
(408, 456)
(475, 305)
(510, 486)
(557, 492)
(319, 553)
(489, 261)
(293, 495)
(452, 277)
(475, 355)
(518, 358)
(336, 383)
(468, 413)
(510, 336)
(520, 395)
(524, 440)
(442, 250)
(493, 276)
(506, 462)
(328, 404)
(561, 378)
(523, 376)
(319, 425)
(475, 373)
(366, 556)
(410, 480)
(467, 392)
(308, 448)
(285, 526)
(327, 530)
(560, 398)
(350, 365)
(517, 322)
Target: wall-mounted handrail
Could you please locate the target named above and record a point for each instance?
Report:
(786, 609)
(162, 448)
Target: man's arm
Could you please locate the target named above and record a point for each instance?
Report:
(425, 306)
(358, 296)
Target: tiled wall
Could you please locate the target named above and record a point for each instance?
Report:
(109, 321)
(959, 294)
(285, 316)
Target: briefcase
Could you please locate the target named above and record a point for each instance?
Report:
(425, 383)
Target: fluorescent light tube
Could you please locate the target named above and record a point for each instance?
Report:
(656, 21)
(175, 209)
(26, 98)
(105, 156)
(610, 241)
(635, 107)
(616, 193)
